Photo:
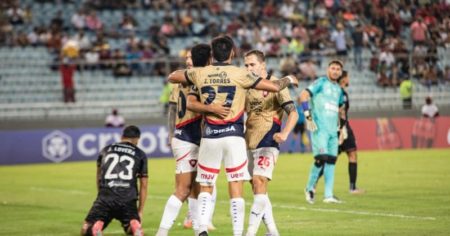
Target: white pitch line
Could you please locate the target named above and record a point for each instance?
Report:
(357, 212)
(160, 197)
(331, 210)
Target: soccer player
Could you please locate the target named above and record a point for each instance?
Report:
(223, 139)
(347, 141)
(118, 168)
(185, 126)
(263, 135)
(322, 120)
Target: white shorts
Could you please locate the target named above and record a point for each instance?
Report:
(186, 156)
(262, 161)
(231, 150)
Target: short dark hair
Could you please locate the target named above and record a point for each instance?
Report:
(222, 47)
(337, 62)
(344, 74)
(131, 131)
(260, 55)
(200, 54)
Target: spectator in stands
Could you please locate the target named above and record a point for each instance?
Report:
(15, 15)
(57, 22)
(308, 70)
(93, 22)
(287, 65)
(120, 68)
(69, 53)
(429, 109)
(446, 78)
(406, 92)
(419, 31)
(92, 59)
(358, 44)
(340, 41)
(165, 95)
(78, 20)
(33, 37)
(114, 120)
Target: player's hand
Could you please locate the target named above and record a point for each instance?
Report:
(293, 79)
(310, 125)
(343, 134)
(219, 110)
(280, 137)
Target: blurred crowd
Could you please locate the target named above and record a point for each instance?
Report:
(394, 39)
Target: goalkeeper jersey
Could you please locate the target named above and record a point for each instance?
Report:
(326, 98)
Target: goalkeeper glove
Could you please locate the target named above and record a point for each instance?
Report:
(343, 134)
(310, 125)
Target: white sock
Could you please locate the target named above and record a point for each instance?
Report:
(268, 219)
(237, 212)
(256, 213)
(171, 211)
(203, 210)
(193, 204)
(213, 204)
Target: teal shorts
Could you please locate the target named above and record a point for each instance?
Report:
(324, 143)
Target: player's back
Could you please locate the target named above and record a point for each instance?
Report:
(223, 84)
(187, 123)
(326, 98)
(120, 166)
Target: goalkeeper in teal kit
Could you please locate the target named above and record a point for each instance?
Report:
(321, 103)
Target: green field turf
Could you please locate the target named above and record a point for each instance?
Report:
(408, 193)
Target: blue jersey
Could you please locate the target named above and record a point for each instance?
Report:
(326, 98)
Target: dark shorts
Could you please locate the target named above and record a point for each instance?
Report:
(349, 144)
(342, 53)
(106, 210)
(299, 128)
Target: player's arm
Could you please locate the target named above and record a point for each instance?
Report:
(171, 120)
(291, 110)
(193, 104)
(305, 96)
(277, 85)
(97, 178)
(179, 77)
(143, 187)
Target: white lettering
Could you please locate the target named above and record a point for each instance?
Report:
(103, 140)
(148, 142)
(331, 107)
(81, 145)
(162, 135)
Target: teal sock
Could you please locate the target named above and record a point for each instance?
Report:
(329, 179)
(292, 145)
(313, 175)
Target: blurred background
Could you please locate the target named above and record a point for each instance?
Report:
(79, 66)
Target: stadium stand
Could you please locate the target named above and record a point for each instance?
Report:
(149, 38)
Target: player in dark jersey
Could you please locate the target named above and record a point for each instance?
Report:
(118, 167)
(347, 140)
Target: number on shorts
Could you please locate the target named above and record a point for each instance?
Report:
(125, 175)
(263, 161)
(229, 90)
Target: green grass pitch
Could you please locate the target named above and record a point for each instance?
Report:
(407, 193)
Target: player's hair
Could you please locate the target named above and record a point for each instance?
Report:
(200, 54)
(131, 131)
(260, 55)
(344, 74)
(221, 48)
(337, 62)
